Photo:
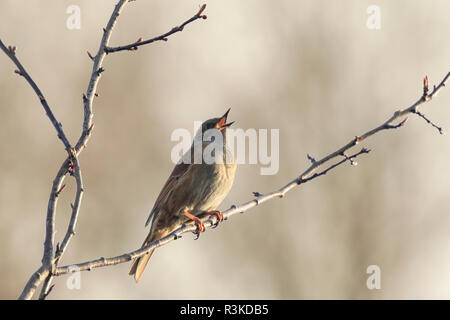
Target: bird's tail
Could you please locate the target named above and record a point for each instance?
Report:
(139, 264)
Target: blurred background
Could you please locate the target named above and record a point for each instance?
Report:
(312, 69)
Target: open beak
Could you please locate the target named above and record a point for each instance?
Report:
(222, 124)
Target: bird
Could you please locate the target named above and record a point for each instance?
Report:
(194, 189)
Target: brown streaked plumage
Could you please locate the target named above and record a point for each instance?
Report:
(192, 190)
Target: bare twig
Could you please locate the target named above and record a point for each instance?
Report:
(76, 172)
(57, 186)
(97, 70)
(346, 158)
(75, 209)
(37, 277)
(420, 114)
(308, 175)
(11, 53)
(164, 37)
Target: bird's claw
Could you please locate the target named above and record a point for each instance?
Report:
(200, 228)
(198, 223)
(218, 214)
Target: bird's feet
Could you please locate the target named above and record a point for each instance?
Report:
(200, 226)
(218, 214)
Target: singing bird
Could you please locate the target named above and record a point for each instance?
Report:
(194, 189)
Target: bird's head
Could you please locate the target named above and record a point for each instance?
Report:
(217, 123)
(211, 136)
(212, 127)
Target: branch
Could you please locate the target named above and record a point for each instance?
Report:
(420, 114)
(308, 175)
(11, 53)
(74, 169)
(57, 187)
(164, 37)
(49, 266)
(388, 124)
(346, 158)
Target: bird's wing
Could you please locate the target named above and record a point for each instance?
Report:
(179, 170)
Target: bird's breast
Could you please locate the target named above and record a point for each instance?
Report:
(211, 186)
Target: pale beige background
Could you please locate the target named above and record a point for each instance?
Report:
(309, 68)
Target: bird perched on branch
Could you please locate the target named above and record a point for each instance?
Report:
(195, 188)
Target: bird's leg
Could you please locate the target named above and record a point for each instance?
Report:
(218, 214)
(200, 226)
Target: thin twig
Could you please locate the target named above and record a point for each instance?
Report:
(420, 114)
(11, 53)
(164, 37)
(346, 158)
(46, 288)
